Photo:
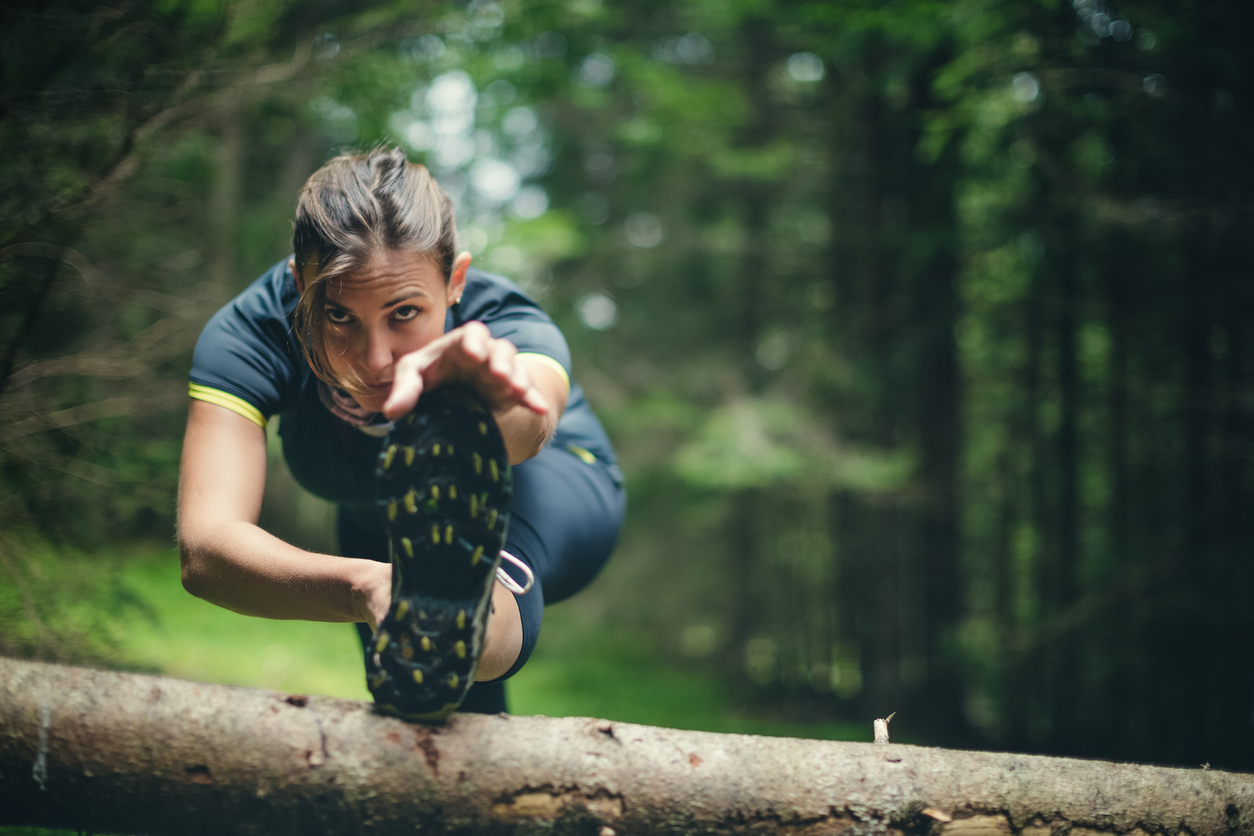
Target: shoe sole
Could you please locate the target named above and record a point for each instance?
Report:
(444, 487)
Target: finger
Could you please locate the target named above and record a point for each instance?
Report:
(407, 386)
(501, 361)
(432, 363)
(435, 350)
(529, 395)
(403, 399)
(475, 341)
(519, 377)
(536, 402)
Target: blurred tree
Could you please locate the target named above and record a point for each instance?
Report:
(1101, 204)
(124, 138)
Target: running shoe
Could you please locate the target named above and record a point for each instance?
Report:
(444, 488)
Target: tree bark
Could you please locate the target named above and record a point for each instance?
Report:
(141, 754)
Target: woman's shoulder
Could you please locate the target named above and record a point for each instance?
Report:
(261, 314)
(248, 349)
(510, 314)
(488, 295)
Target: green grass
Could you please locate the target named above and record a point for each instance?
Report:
(134, 605)
(582, 669)
(188, 638)
(129, 610)
(578, 669)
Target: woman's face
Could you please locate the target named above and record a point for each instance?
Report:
(377, 314)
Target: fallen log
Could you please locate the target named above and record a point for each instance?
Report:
(112, 752)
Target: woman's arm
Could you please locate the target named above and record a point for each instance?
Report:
(229, 561)
(527, 395)
(524, 430)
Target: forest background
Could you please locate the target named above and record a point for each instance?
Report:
(923, 330)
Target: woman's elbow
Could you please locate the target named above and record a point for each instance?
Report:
(192, 563)
(527, 447)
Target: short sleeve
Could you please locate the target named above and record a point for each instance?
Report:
(246, 359)
(511, 315)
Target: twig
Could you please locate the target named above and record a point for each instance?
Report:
(108, 408)
(68, 465)
(167, 337)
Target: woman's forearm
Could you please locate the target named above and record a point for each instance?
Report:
(231, 562)
(239, 566)
(524, 432)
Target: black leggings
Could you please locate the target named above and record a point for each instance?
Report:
(564, 523)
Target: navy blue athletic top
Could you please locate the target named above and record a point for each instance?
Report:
(249, 360)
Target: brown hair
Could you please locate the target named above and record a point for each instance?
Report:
(351, 208)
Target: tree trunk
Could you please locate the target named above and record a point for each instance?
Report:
(1068, 707)
(142, 754)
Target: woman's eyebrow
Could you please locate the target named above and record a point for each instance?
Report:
(409, 294)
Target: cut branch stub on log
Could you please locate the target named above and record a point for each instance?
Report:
(881, 728)
(147, 755)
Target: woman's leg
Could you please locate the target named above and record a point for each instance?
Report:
(564, 523)
(358, 541)
(565, 520)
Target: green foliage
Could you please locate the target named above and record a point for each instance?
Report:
(62, 604)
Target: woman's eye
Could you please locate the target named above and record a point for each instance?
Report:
(405, 313)
(338, 315)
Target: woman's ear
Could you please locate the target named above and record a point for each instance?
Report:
(457, 281)
(300, 282)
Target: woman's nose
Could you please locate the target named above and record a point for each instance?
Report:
(378, 350)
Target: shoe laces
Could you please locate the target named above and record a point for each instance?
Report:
(508, 582)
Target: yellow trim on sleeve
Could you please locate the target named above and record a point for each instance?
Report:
(587, 457)
(549, 361)
(226, 399)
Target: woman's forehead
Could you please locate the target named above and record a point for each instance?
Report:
(386, 272)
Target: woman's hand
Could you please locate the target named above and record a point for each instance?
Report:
(471, 355)
(374, 593)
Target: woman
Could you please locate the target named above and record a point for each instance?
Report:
(380, 349)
